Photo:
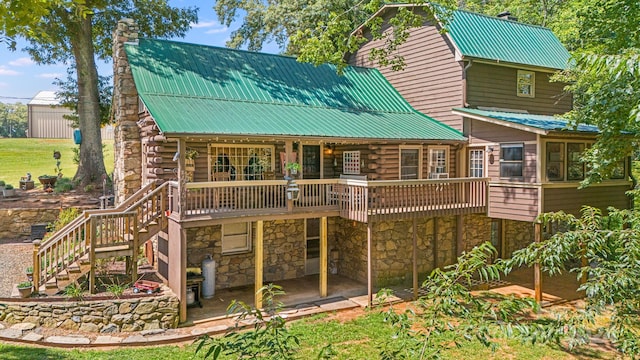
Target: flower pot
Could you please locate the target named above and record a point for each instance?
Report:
(47, 181)
(9, 192)
(190, 165)
(25, 292)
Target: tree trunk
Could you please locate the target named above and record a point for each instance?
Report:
(91, 167)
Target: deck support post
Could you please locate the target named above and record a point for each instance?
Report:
(459, 235)
(36, 266)
(182, 179)
(259, 262)
(537, 275)
(323, 256)
(415, 259)
(369, 268)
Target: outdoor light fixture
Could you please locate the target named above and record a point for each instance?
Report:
(490, 149)
(293, 191)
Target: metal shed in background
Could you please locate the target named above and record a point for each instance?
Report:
(46, 119)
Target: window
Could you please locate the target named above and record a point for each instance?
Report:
(476, 163)
(240, 162)
(438, 164)
(555, 161)
(410, 163)
(351, 162)
(511, 159)
(236, 238)
(575, 166)
(526, 83)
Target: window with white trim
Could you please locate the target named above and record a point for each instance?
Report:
(236, 238)
(511, 160)
(240, 162)
(555, 161)
(526, 83)
(476, 163)
(438, 162)
(351, 162)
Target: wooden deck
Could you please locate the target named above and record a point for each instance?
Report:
(358, 200)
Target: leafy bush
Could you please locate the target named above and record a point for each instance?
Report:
(63, 185)
(64, 217)
(8, 187)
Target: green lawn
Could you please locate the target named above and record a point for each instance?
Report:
(20, 156)
(356, 339)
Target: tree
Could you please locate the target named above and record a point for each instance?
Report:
(13, 120)
(76, 32)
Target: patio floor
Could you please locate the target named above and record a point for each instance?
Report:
(303, 296)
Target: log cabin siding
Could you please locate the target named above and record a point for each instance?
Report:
(432, 81)
(571, 200)
(513, 203)
(495, 86)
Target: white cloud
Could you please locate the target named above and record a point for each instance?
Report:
(205, 24)
(23, 61)
(217, 31)
(50, 75)
(8, 72)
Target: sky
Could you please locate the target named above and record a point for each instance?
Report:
(21, 79)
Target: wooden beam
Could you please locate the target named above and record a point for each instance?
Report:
(415, 259)
(369, 268)
(259, 262)
(323, 256)
(537, 275)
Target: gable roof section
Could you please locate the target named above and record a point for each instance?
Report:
(491, 38)
(539, 124)
(197, 89)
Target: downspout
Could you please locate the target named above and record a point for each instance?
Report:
(464, 82)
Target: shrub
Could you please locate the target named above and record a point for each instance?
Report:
(8, 186)
(64, 217)
(63, 185)
(2, 183)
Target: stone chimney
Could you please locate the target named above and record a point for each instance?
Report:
(127, 174)
(506, 15)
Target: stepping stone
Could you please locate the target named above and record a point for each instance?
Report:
(73, 340)
(10, 333)
(1, 327)
(135, 339)
(108, 340)
(152, 332)
(160, 337)
(32, 337)
(212, 329)
(24, 326)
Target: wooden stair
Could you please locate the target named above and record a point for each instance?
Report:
(95, 235)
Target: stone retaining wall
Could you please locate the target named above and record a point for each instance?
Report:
(16, 223)
(104, 316)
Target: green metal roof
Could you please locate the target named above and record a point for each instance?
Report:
(545, 123)
(197, 89)
(487, 37)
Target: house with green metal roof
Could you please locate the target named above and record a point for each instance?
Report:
(278, 170)
(490, 78)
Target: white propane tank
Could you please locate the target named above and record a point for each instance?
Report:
(209, 274)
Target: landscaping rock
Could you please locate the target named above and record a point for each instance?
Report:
(23, 326)
(110, 328)
(32, 337)
(70, 339)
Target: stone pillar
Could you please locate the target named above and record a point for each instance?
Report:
(127, 174)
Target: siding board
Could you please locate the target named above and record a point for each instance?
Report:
(513, 203)
(571, 200)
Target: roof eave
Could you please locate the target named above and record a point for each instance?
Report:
(320, 139)
(504, 123)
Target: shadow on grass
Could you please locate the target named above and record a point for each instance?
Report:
(10, 352)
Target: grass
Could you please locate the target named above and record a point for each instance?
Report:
(21, 156)
(355, 339)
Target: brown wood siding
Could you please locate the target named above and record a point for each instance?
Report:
(432, 80)
(495, 86)
(571, 200)
(513, 203)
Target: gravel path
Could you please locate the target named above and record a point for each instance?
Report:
(15, 257)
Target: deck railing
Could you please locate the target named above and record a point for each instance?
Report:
(358, 200)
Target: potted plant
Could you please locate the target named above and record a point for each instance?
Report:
(29, 272)
(2, 184)
(190, 159)
(8, 190)
(48, 181)
(25, 288)
(292, 168)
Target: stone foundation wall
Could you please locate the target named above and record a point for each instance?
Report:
(351, 243)
(16, 223)
(518, 234)
(477, 230)
(106, 316)
(284, 253)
